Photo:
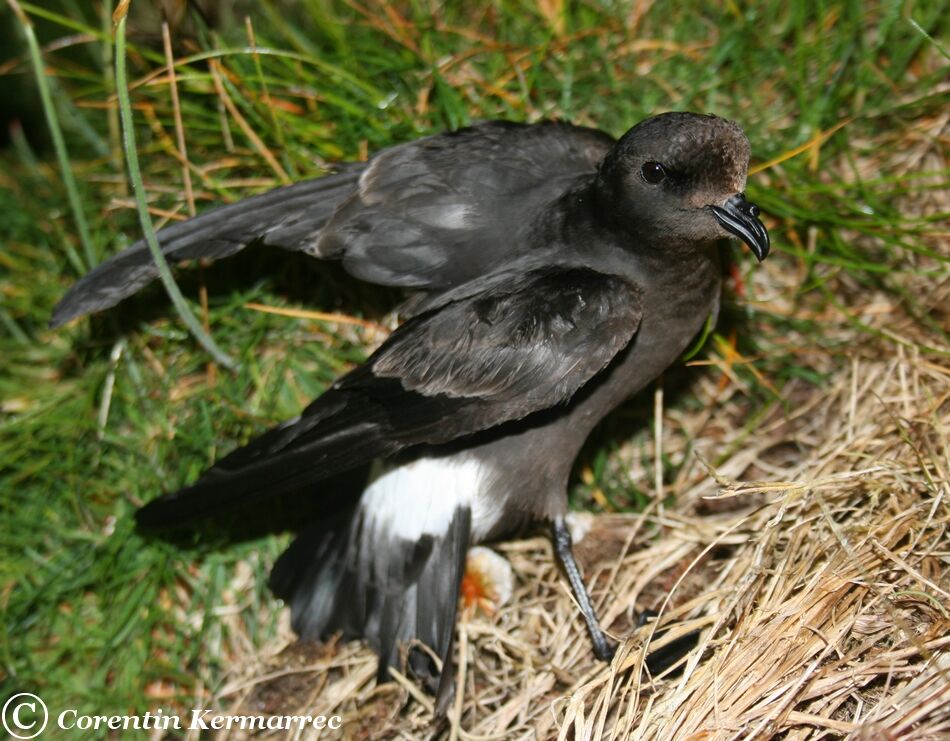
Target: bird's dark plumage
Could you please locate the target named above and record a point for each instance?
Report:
(520, 346)
(559, 272)
(408, 217)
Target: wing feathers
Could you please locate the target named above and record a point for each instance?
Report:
(428, 214)
(519, 347)
(288, 217)
(536, 337)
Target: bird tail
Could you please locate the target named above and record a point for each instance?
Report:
(353, 576)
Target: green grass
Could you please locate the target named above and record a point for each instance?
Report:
(98, 617)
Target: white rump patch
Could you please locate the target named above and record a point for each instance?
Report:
(421, 497)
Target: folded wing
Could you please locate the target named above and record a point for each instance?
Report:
(526, 343)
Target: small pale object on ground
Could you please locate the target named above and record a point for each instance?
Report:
(489, 579)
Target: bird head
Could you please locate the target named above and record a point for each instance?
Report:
(682, 176)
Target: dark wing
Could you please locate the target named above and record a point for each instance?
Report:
(521, 346)
(428, 214)
(290, 217)
(444, 210)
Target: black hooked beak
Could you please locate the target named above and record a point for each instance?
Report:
(741, 217)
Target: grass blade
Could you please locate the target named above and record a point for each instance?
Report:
(138, 189)
(56, 132)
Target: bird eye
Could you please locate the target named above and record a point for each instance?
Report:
(652, 172)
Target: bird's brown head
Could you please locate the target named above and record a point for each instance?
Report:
(682, 176)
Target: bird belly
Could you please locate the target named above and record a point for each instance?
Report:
(420, 497)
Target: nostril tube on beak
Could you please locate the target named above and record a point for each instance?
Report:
(741, 218)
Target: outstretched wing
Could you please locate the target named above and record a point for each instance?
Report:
(288, 217)
(524, 344)
(427, 214)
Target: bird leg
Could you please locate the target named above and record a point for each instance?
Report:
(562, 546)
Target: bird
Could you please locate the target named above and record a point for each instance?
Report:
(554, 272)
